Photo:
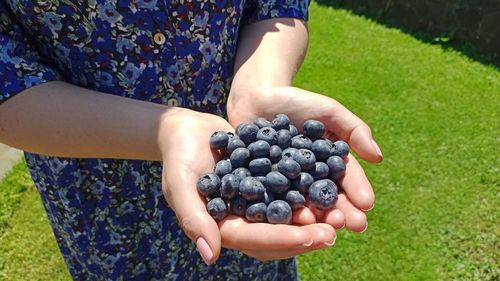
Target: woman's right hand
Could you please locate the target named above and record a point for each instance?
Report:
(184, 142)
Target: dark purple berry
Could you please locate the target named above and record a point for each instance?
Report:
(284, 138)
(256, 212)
(277, 182)
(260, 166)
(233, 144)
(251, 189)
(314, 129)
(262, 122)
(323, 194)
(259, 149)
(303, 182)
(293, 130)
(301, 141)
(305, 158)
(241, 173)
(289, 152)
(223, 167)
(289, 167)
(275, 154)
(337, 167)
(238, 206)
(340, 148)
(217, 208)
(208, 184)
(240, 157)
(230, 185)
(295, 199)
(281, 121)
(279, 211)
(322, 149)
(320, 171)
(219, 140)
(248, 133)
(268, 135)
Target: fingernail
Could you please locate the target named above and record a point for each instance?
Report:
(366, 227)
(329, 244)
(377, 149)
(371, 208)
(204, 250)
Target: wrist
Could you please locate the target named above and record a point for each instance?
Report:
(168, 123)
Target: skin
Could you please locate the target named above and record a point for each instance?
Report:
(69, 121)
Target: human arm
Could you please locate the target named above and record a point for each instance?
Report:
(268, 56)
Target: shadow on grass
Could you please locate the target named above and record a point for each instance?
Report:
(445, 40)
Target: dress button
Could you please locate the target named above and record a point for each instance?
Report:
(172, 102)
(159, 38)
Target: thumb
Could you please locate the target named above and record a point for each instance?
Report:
(181, 194)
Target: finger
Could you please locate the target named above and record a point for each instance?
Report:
(238, 234)
(352, 129)
(335, 218)
(182, 195)
(323, 235)
(356, 185)
(355, 219)
(303, 216)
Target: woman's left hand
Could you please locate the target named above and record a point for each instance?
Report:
(356, 197)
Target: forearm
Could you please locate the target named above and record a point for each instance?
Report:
(270, 52)
(60, 119)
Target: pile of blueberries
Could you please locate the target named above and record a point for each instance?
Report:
(272, 170)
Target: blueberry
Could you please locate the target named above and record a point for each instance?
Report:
(223, 167)
(320, 171)
(323, 194)
(233, 144)
(241, 173)
(303, 182)
(269, 197)
(314, 129)
(251, 189)
(289, 152)
(217, 208)
(268, 134)
(256, 212)
(219, 140)
(275, 154)
(277, 182)
(230, 185)
(281, 121)
(279, 211)
(322, 149)
(340, 148)
(293, 130)
(248, 133)
(262, 122)
(284, 138)
(259, 149)
(238, 206)
(336, 166)
(305, 158)
(260, 166)
(301, 141)
(240, 157)
(289, 167)
(295, 199)
(208, 184)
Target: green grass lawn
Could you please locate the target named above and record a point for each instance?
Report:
(435, 115)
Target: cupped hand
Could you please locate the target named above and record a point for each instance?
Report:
(246, 104)
(184, 141)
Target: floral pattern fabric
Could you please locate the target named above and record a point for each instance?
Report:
(109, 216)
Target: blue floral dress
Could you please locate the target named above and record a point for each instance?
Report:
(109, 216)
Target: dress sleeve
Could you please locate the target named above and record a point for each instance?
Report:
(21, 66)
(257, 10)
